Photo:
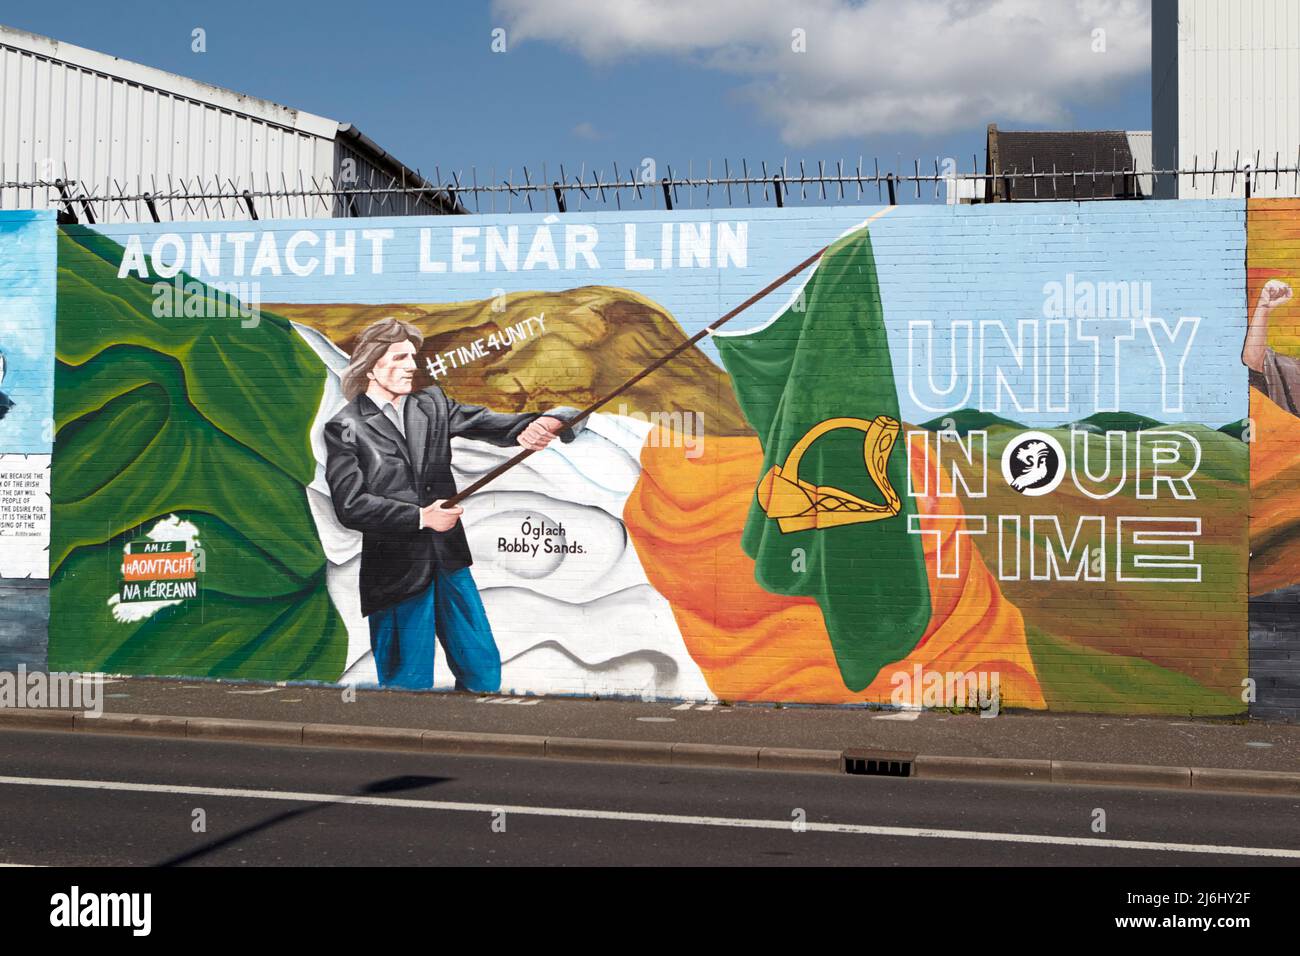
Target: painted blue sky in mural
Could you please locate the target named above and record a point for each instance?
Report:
(1139, 322)
(27, 277)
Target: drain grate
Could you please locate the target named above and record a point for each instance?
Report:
(878, 765)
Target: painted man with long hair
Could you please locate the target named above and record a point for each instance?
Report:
(389, 471)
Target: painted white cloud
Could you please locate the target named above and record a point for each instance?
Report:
(581, 622)
(872, 66)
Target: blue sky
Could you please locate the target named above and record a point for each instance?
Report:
(681, 82)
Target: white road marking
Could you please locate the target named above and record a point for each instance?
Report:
(683, 706)
(521, 701)
(626, 816)
(263, 690)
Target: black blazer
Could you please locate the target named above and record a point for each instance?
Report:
(379, 485)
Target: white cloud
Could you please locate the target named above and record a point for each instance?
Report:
(872, 66)
(587, 130)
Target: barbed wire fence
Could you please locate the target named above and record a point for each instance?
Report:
(630, 187)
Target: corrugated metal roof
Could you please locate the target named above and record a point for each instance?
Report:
(114, 126)
(173, 83)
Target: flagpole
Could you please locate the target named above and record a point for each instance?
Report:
(654, 366)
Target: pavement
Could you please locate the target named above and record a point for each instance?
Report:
(1214, 754)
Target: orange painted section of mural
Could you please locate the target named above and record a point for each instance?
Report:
(685, 518)
(1273, 244)
(1272, 356)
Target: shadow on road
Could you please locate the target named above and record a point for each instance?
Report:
(387, 785)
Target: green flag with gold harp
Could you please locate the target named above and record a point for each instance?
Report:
(830, 513)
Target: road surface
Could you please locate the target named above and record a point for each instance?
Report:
(88, 800)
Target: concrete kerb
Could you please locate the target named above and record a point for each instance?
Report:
(229, 728)
(802, 761)
(367, 738)
(715, 755)
(28, 719)
(1258, 781)
(623, 751)
(1110, 774)
(982, 768)
(483, 745)
(132, 724)
(721, 756)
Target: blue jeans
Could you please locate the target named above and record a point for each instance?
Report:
(402, 636)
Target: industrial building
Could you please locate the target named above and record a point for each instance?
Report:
(85, 124)
(1225, 93)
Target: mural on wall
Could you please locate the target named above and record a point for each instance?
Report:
(1271, 354)
(974, 447)
(26, 395)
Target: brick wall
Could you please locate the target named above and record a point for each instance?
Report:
(1006, 341)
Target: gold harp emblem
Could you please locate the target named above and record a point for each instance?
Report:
(799, 505)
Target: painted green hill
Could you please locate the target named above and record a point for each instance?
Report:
(969, 419)
(1235, 429)
(204, 420)
(1116, 422)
